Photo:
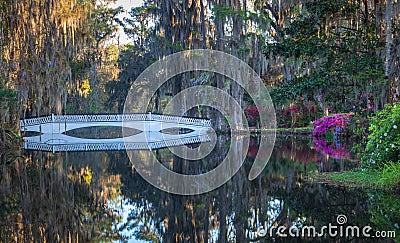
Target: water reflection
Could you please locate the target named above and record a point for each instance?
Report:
(44, 199)
(98, 196)
(335, 149)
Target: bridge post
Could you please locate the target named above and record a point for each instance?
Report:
(22, 124)
(52, 123)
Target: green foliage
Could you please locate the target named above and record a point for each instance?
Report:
(137, 26)
(8, 103)
(385, 212)
(262, 19)
(7, 95)
(132, 61)
(343, 56)
(300, 86)
(103, 22)
(358, 126)
(222, 12)
(391, 174)
(386, 178)
(329, 136)
(384, 141)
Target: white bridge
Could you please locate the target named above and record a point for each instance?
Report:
(51, 132)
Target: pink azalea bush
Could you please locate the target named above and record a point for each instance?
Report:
(331, 123)
(251, 113)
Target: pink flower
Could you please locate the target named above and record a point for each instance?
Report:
(251, 113)
(338, 152)
(330, 122)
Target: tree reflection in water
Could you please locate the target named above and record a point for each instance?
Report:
(98, 196)
(45, 199)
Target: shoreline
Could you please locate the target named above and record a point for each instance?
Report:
(384, 180)
(305, 131)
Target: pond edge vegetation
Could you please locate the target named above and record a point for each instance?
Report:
(380, 158)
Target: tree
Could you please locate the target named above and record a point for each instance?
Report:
(335, 44)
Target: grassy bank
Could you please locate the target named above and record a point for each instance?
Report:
(387, 179)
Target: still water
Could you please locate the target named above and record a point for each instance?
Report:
(98, 197)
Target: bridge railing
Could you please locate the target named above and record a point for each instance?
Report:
(113, 118)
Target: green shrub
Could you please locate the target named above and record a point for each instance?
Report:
(8, 105)
(384, 140)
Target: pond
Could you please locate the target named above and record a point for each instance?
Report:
(99, 197)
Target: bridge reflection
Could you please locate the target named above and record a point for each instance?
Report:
(154, 132)
(62, 143)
